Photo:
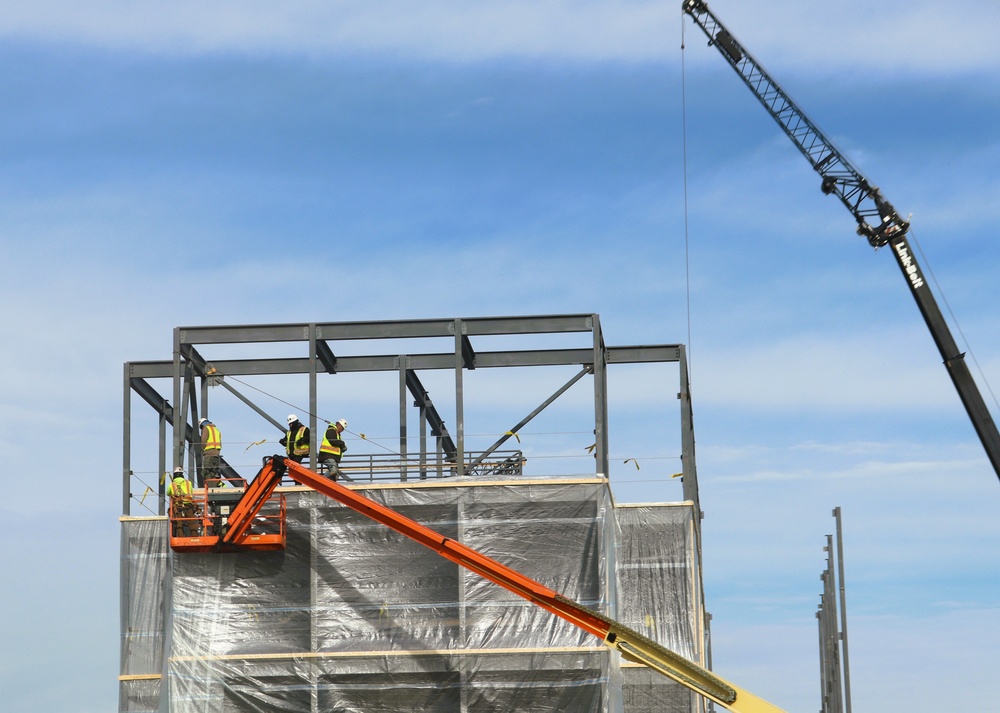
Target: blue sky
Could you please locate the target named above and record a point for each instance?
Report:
(168, 164)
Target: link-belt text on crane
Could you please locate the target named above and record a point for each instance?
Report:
(909, 266)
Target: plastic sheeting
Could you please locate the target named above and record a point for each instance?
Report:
(646, 690)
(551, 682)
(658, 576)
(355, 617)
(660, 592)
(145, 583)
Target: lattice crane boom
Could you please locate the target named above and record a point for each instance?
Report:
(877, 220)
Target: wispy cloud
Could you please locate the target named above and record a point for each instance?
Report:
(889, 36)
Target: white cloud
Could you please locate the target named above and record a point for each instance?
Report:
(442, 29)
(889, 36)
(873, 38)
(842, 372)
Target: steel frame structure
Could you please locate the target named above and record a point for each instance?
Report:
(835, 667)
(191, 374)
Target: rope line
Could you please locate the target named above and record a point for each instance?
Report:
(375, 439)
(954, 319)
(687, 248)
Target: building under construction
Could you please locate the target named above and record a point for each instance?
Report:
(351, 616)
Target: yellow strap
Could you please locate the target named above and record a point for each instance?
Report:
(255, 443)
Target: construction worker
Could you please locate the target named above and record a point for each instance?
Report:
(296, 439)
(332, 449)
(211, 444)
(182, 510)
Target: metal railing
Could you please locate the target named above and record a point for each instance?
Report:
(371, 467)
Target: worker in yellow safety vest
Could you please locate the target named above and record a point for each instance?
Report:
(332, 449)
(183, 513)
(296, 439)
(211, 444)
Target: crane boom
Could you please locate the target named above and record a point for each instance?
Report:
(877, 219)
(632, 645)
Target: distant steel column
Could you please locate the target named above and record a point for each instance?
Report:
(822, 660)
(830, 633)
(834, 662)
(843, 610)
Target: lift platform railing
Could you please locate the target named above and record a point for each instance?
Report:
(201, 525)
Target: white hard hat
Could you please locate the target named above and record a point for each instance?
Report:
(342, 423)
(178, 472)
(292, 418)
(203, 421)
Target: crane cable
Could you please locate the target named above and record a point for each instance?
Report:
(310, 413)
(216, 372)
(362, 436)
(687, 248)
(954, 319)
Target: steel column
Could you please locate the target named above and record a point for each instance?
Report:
(459, 399)
(843, 611)
(403, 451)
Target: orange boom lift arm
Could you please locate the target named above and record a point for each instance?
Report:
(632, 645)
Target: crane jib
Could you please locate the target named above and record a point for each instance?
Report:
(864, 201)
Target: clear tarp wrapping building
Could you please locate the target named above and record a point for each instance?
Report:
(354, 617)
